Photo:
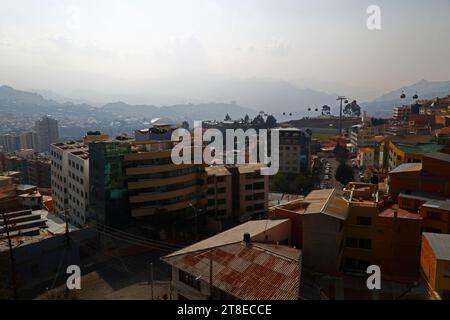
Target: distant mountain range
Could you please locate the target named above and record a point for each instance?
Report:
(247, 97)
(382, 106)
(27, 103)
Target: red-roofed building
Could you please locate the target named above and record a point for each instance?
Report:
(397, 243)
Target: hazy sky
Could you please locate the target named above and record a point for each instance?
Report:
(79, 45)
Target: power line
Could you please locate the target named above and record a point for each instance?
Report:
(140, 237)
(135, 242)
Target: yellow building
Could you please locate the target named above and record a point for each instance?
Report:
(408, 152)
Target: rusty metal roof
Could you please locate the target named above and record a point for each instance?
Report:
(248, 272)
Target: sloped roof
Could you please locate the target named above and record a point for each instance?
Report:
(232, 235)
(328, 202)
(248, 272)
(407, 167)
(438, 156)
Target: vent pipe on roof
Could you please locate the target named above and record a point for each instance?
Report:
(247, 238)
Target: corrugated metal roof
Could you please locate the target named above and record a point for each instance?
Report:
(407, 167)
(248, 272)
(440, 243)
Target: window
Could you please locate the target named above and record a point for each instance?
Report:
(351, 242)
(447, 269)
(356, 264)
(433, 215)
(189, 279)
(364, 221)
(365, 243)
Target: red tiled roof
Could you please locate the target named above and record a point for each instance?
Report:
(401, 213)
(249, 272)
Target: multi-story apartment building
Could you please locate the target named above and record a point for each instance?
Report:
(78, 186)
(59, 154)
(47, 133)
(39, 172)
(139, 179)
(436, 106)
(108, 194)
(236, 193)
(360, 226)
(9, 143)
(401, 113)
(28, 140)
(70, 177)
(295, 150)
(408, 152)
(363, 135)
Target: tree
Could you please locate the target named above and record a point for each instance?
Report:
(280, 182)
(271, 122)
(247, 119)
(344, 173)
(227, 117)
(326, 110)
(340, 153)
(258, 120)
(352, 109)
(185, 125)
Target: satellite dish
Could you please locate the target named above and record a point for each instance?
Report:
(346, 101)
(309, 109)
(154, 120)
(415, 96)
(317, 109)
(290, 114)
(284, 113)
(403, 95)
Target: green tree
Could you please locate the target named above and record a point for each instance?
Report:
(271, 122)
(341, 153)
(344, 173)
(280, 182)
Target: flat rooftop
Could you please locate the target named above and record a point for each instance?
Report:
(440, 243)
(401, 213)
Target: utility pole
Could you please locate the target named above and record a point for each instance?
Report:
(340, 98)
(67, 228)
(151, 278)
(11, 257)
(211, 274)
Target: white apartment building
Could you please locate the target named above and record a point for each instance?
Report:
(59, 154)
(362, 136)
(78, 187)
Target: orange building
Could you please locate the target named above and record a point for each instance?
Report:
(435, 264)
(432, 175)
(397, 243)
